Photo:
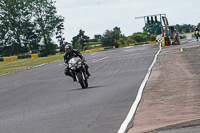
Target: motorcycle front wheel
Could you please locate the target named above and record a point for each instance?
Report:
(80, 79)
(86, 83)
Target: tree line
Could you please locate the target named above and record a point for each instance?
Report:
(112, 37)
(115, 38)
(186, 28)
(27, 25)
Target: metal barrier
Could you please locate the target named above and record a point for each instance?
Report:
(19, 57)
(10, 58)
(187, 37)
(182, 36)
(34, 55)
(1, 59)
(100, 49)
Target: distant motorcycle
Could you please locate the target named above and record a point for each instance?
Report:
(197, 34)
(78, 71)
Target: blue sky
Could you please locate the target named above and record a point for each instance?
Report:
(97, 16)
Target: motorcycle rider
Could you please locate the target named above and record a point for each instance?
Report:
(197, 32)
(70, 53)
(196, 29)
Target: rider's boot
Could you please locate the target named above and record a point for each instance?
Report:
(74, 79)
(88, 73)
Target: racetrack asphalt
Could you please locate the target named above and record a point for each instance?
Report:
(171, 98)
(44, 100)
(38, 100)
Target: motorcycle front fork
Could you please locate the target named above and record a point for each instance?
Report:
(83, 74)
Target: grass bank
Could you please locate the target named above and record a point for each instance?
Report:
(20, 64)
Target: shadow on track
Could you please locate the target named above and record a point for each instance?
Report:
(90, 87)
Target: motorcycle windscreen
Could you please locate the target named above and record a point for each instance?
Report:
(73, 60)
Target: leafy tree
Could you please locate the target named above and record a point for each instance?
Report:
(107, 39)
(189, 28)
(31, 38)
(51, 49)
(123, 41)
(198, 25)
(80, 39)
(110, 38)
(78, 46)
(117, 32)
(153, 28)
(179, 28)
(88, 46)
(185, 28)
(17, 17)
(15, 49)
(140, 37)
(59, 33)
(152, 37)
(46, 21)
(5, 51)
(130, 40)
(97, 37)
(14, 21)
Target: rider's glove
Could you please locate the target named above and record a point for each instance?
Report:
(66, 64)
(83, 59)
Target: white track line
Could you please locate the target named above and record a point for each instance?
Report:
(138, 98)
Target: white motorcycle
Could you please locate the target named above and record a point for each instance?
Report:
(78, 71)
(197, 34)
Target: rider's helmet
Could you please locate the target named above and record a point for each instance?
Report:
(68, 48)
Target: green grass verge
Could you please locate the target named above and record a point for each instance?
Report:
(16, 65)
(9, 71)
